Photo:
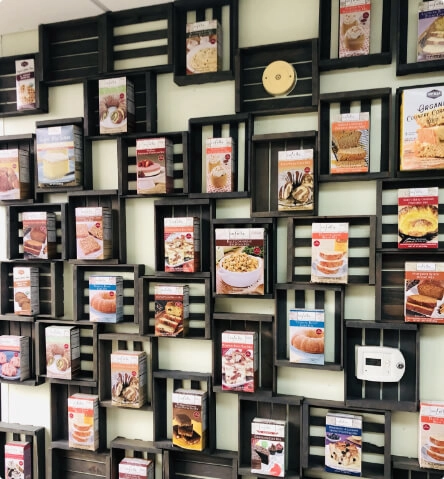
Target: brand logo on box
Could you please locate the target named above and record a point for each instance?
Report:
(434, 94)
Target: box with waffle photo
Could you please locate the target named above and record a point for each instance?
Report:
(431, 435)
(18, 460)
(83, 421)
(182, 244)
(354, 28)
(171, 309)
(430, 30)
(268, 447)
(93, 232)
(203, 47)
(14, 174)
(128, 378)
(39, 235)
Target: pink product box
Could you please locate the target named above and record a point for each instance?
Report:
(18, 460)
(136, 468)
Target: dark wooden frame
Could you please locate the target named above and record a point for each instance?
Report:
(408, 467)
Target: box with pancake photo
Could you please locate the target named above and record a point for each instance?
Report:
(83, 421)
(295, 180)
(431, 434)
(430, 30)
(354, 28)
(14, 174)
(350, 143)
(15, 357)
(116, 106)
(424, 292)
(105, 299)
(25, 84)
(59, 156)
(128, 378)
(182, 244)
(203, 47)
(240, 260)
(94, 232)
(268, 447)
(25, 281)
(239, 361)
(306, 336)
(18, 460)
(219, 162)
(190, 418)
(171, 309)
(343, 444)
(154, 165)
(136, 468)
(418, 218)
(39, 234)
(62, 351)
(329, 253)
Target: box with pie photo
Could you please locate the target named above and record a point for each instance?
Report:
(354, 28)
(306, 336)
(14, 174)
(171, 306)
(431, 435)
(93, 232)
(430, 30)
(182, 244)
(203, 47)
(39, 235)
(268, 447)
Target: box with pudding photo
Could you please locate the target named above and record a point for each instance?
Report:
(83, 421)
(203, 47)
(220, 164)
(105, 299)
(25, 281)
(268, 447)
(306, 336)
(62, 351)
(93, 232)
(171, 309)
(430, 30)
(25, 84)
(14, 174)
(39, 235)
(431, 434)
(182, 244)
(128, 378)
(136, 468)
(354, 28)
(18, 460)
(14, 357)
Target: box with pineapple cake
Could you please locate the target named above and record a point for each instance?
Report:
(171, 306)
(25, 281)
(39, 235)
(14, 174)
(430, 30)
(182, 244)
(203, 47)
(128, 378)
(219, 160)
(94, 232)
(25, 84)
(354, 27)
(83, 421)
(116, 106)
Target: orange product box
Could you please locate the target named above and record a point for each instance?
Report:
(62, 351)
(94, 232)
(171, 306)
(18, 460)
(25, 280)
(136, 468)
(14, 174)
(220, 160)
(431, 434)
(83, 421)
(39, 235)
(182, 244)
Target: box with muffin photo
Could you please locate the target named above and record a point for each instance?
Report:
(431, 435)
(83, 421)
(306, 336)
(354, 28)
(171, 309)
(39, 235)
(430, 30)
(268, 447)
(219, 155)
(105, 299)
(93, 232)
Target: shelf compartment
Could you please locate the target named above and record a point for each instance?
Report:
(238, 127)
(227, 13)
(408, 468)
(361, 247)
(250, 65)
(281, 407)
(381, 24)
(126, 154)
(376, 435)
(262, 324)
(377, 103)
(264, 171)
(398, 396)
(65, 462)
(331, 299)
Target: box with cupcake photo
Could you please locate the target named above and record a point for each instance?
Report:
(354, 28)
(219, 154)
(268, 447)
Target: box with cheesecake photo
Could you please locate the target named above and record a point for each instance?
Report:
(39, 234)
(171, 309)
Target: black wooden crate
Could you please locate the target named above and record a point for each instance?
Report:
(311, 296)
(408, 468)
(78, 464)
(378, 103)
(264, 171)
(238, 127)
(201, 304)
(227, 13)
(376, 438)
(399, 396)
(250, 65)
(126, 155)
(361, 247)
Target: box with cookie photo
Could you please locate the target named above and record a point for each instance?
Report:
(93, 232)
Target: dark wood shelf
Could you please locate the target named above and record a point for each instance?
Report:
(407, 467)
(63, 462)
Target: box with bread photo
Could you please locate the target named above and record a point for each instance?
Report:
(424, 292)
(93, 232)
(39, 235)
(18, 460)
(329, 253)
(430, 30)
(268, 447)
(219, 160)
(105, 299)
(25, 281)
(431, 434)
(62, 351)
(306, 336)
(136, 468)
(128, 378)
(182, 244)
(418, 218)
(14, 174)
(203, 47)
(350, 143)
(171, 309)
(15, 357)
(354, 28)
(83, 421)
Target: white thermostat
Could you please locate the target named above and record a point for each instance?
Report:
(379, 363)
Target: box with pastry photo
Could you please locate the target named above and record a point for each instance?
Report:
(268, 447)
(306, 336)
(62, 351)
(203, 47)
(14, 174)
(83, 421)
(128, 378)
(354, 27)
(430, 30)
(93, 232)
(171, 309)
(431, 434)
(182, 244)
(14, 357)
(18, 460)
(39, 235)
(25, 281)
(105, 299)
(219, 160)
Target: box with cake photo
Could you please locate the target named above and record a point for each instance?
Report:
(128, 378)
(14, 174)
(431, 435)
(306, 336)
(93, 232)
(354, 28)
(268, 447)
(203, 47)
(219, 160)
(105, 299)
(14, 357)
(25, 84)
(25, 282)
(171, 309)
(430, 30)
(39, 235)
(83, 421)
(62, 351)
(424, 292)
(18, 460)
(182, 244)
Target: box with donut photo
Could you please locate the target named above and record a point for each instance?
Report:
(14, 357)
(431, 434)
(306, 336)
(62, 351)
(354, 27)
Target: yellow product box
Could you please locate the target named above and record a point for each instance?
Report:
(14, 174)
(25, 280)
(220, 164)
(203, 47)
(83, 421)
(182, 244)
(128, 378)
(94, 232)
(39, 235)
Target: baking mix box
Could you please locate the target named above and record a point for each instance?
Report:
(431, 434)
(203, 47)
(83, 421)
(25, 281)
(306, 336)
(116, 106)
(94, 232)
(430, 30)
(171, 309)
(105, 299)
(25, 85)
(62, 351)
(18, 460)
(128, 378)
(220, 166)
(268, 447)
(15, 357)
(354, 28)
(182, 244)
(14, 174)
(39, 234)
(136, 468)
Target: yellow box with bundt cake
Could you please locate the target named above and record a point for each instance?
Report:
(431, 434)
(62, 351)
(171, 306)
(306, 336)
(14, 174)
(105, 299)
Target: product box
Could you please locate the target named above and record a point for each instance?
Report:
(25, 84)
(431, 434)
(154, 165)
(350, 143)
(25, 280)
(268, 447)
(190, 419)
(418, 218)
(220, 167)
(182, 244)
(14, 174)
(354, 28)
(306, 336)
(83, 421)
(343, 444)
(94, 232)
(172, 309)
(295, 180)
(240, 260)
(203, 47)
(424, 292)
(420, 128)
(62, 351)
(39, 235)
(128, 378)
(59, 156)
(116, 106)
(105, 299)
(18, 460)
(329, 253)
(430, 30)
(136, 468)
(14, 357)
(239, 361)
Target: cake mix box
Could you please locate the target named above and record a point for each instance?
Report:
(128, 378)
(240, 361)
(39, 234)
(171, 309)
(190, 418)
(424, 292)
(268, 447)
(25, 84)
(418, 218)
(62, 351)
(354, 28)
(94, 232)
(154, 165)
(18, 460)
(295, 180)
(59, 156)
(431, 434)
(116, 106)
(25, 281)
(83, 421)
(430, 30)
(136, 468)
(182, 244)
(14, 174)
(14, 357)
(219, 160)
(106, 299)
(306, 336)
(203, 47)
